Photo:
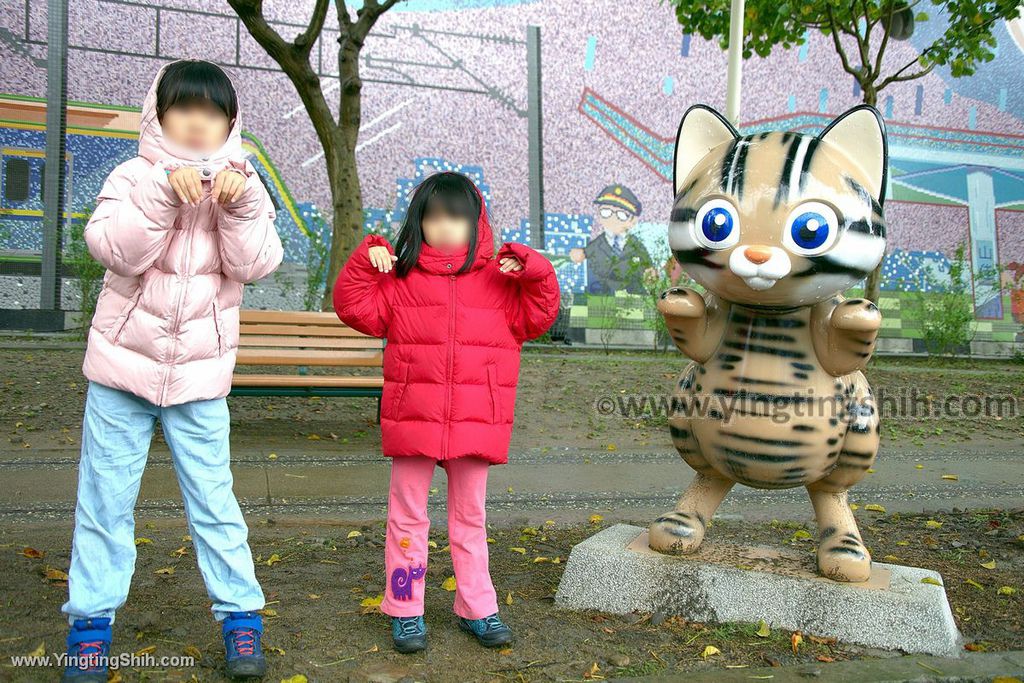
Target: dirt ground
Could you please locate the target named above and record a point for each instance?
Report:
(317, 578)
(42, 394)
(321, 586)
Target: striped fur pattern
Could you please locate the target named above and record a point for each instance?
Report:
(775, 396)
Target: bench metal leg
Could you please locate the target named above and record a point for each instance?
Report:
(378, 409)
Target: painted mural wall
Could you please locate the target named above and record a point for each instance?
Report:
(446, 88)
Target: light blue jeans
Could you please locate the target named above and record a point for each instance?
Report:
(116, 433)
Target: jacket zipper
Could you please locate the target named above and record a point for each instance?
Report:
(448, 370)
(176, 322)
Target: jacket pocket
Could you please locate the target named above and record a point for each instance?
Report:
(494, 389)
(217, 327)
(396, 402)
(118, 327)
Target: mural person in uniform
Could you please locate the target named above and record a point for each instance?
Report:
(616, 260)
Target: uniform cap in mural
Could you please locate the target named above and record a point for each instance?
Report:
(619, 196)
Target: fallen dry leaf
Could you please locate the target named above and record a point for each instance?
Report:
(370, 605)
(55, 575)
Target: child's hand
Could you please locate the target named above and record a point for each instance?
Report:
(381, 258)
(509, 264)
(228, 186)
(187, 184)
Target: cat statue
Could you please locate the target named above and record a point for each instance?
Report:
(774, 226)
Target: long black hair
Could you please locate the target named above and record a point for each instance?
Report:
(191, 81)
(450, 193)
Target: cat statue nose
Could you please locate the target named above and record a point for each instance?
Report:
(757, 255)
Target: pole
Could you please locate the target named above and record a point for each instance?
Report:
(535, 136)
(56, 127)
(732, 102)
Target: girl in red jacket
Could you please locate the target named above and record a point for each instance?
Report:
(455, 318)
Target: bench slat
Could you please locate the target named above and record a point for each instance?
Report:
(340, 343)
(306, 381)
(309, 357)
(299, 330)
(249, 315)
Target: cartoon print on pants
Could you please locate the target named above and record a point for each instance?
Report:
(401, 581)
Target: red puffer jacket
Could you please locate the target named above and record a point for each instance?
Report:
(451, 362)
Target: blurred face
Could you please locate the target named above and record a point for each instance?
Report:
(200, 127)
(444, 231)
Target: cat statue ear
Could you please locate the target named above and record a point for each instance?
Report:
(860, 133)
(701, 130)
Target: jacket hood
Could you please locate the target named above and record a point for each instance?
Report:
(436, 260)
(154, 147)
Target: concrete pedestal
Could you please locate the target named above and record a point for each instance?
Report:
(614, 571)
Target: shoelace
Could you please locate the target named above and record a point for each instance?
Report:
(493, 623)
(409, 626)
(244, 640)
(89, 652)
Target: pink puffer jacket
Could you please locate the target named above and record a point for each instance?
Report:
(166, 323)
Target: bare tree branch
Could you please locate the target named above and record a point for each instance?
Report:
(863, 37)
(876, 70)
(834, 32)
(368, 15)
(897, 77)
(294, 61)
(305, 40)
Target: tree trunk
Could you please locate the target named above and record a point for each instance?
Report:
(873, 283)
(338, 139)
(346, 194)
(346, 197)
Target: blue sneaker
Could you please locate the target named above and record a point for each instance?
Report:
(490, 631)
(242, 632)
(409, 634)
(88, 650)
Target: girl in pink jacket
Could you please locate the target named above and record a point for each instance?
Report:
(455, 317)
(181, 228)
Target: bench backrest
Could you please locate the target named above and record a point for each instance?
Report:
(304, 338)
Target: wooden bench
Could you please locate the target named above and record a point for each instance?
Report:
(302, 340)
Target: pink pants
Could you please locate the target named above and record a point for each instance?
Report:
(405, 549)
